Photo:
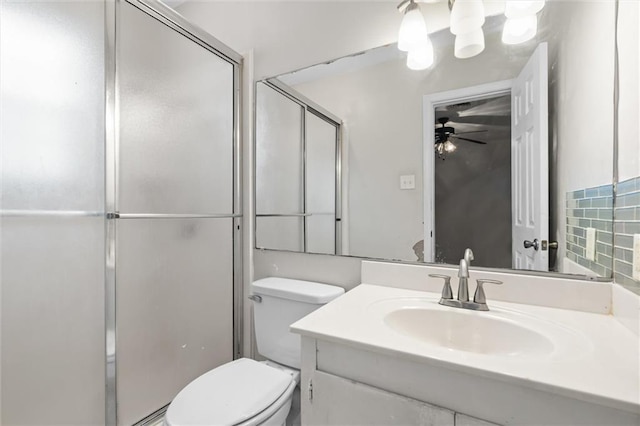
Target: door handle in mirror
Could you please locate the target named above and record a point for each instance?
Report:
(535, 244)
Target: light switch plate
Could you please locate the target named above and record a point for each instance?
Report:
(591, 244)
(636, 257)
(408, 182)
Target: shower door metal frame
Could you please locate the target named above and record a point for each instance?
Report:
(307, 106)
(170, 18)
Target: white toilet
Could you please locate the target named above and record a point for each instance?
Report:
(247, 392)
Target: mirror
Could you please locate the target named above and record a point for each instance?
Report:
(361, 156)
(627, 206)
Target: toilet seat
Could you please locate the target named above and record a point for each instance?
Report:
(242, 392)
(276, 413)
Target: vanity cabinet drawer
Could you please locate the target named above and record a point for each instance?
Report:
(338, 401)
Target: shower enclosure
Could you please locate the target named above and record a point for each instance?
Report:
(121, 215)
(298, 167)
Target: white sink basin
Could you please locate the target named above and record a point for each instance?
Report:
(472, 333)
(499, 332)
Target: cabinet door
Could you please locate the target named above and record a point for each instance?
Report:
(338, 401)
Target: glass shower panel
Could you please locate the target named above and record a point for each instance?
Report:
(175, 105)
(52, 219)
(52, 103)
(279, 154)
(174, 307)
(280, 233)
(321, 184)
(52, 322)
(321, 234)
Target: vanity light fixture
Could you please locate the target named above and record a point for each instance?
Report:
(517, 8)
(469, 44)
(421, 57)
(466, 21)
(413, 37)
(522, 20)
(467, 18)
(413, 29)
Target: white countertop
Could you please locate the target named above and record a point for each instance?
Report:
(605, 370)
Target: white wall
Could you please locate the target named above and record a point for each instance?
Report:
(581, 82)
(629, 124)
(287, 35)
(582, 97)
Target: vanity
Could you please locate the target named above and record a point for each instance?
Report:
(387, 353)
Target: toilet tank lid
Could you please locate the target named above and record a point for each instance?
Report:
(298, 290)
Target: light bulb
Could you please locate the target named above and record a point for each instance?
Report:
(466, 16)
(522, 8)
(413, 29)
(449, 147)
(421, 56)
(519, 30)
(469, 44)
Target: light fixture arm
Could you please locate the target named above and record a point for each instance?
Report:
(402, 7)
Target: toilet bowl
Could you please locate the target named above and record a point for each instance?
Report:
(245, 392)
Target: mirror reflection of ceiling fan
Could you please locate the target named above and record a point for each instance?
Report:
(446, 135)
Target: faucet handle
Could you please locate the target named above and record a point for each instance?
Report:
(480, 297)
(446, 290)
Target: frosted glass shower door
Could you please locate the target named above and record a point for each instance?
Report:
(321, 184)
(175, 200)
(52, 218)
(279, 171)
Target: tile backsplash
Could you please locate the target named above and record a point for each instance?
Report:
(626, 225)
(591, 208)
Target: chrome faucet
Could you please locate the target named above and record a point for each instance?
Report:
(468, 256)
(479, 299)
(463, 276)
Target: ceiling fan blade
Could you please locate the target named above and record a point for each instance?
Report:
(493, 107)
(467, 139)
(476, 121)
(471, 131)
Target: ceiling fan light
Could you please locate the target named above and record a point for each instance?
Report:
(449, 147)
(469, 44)
(421, 57)
(520, 30)
(413, 29)
(522, 8)
(466, 16)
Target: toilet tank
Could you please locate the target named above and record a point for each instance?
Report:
(283, 302)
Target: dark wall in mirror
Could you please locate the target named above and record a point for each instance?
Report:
(473, 182)
(379, 102)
